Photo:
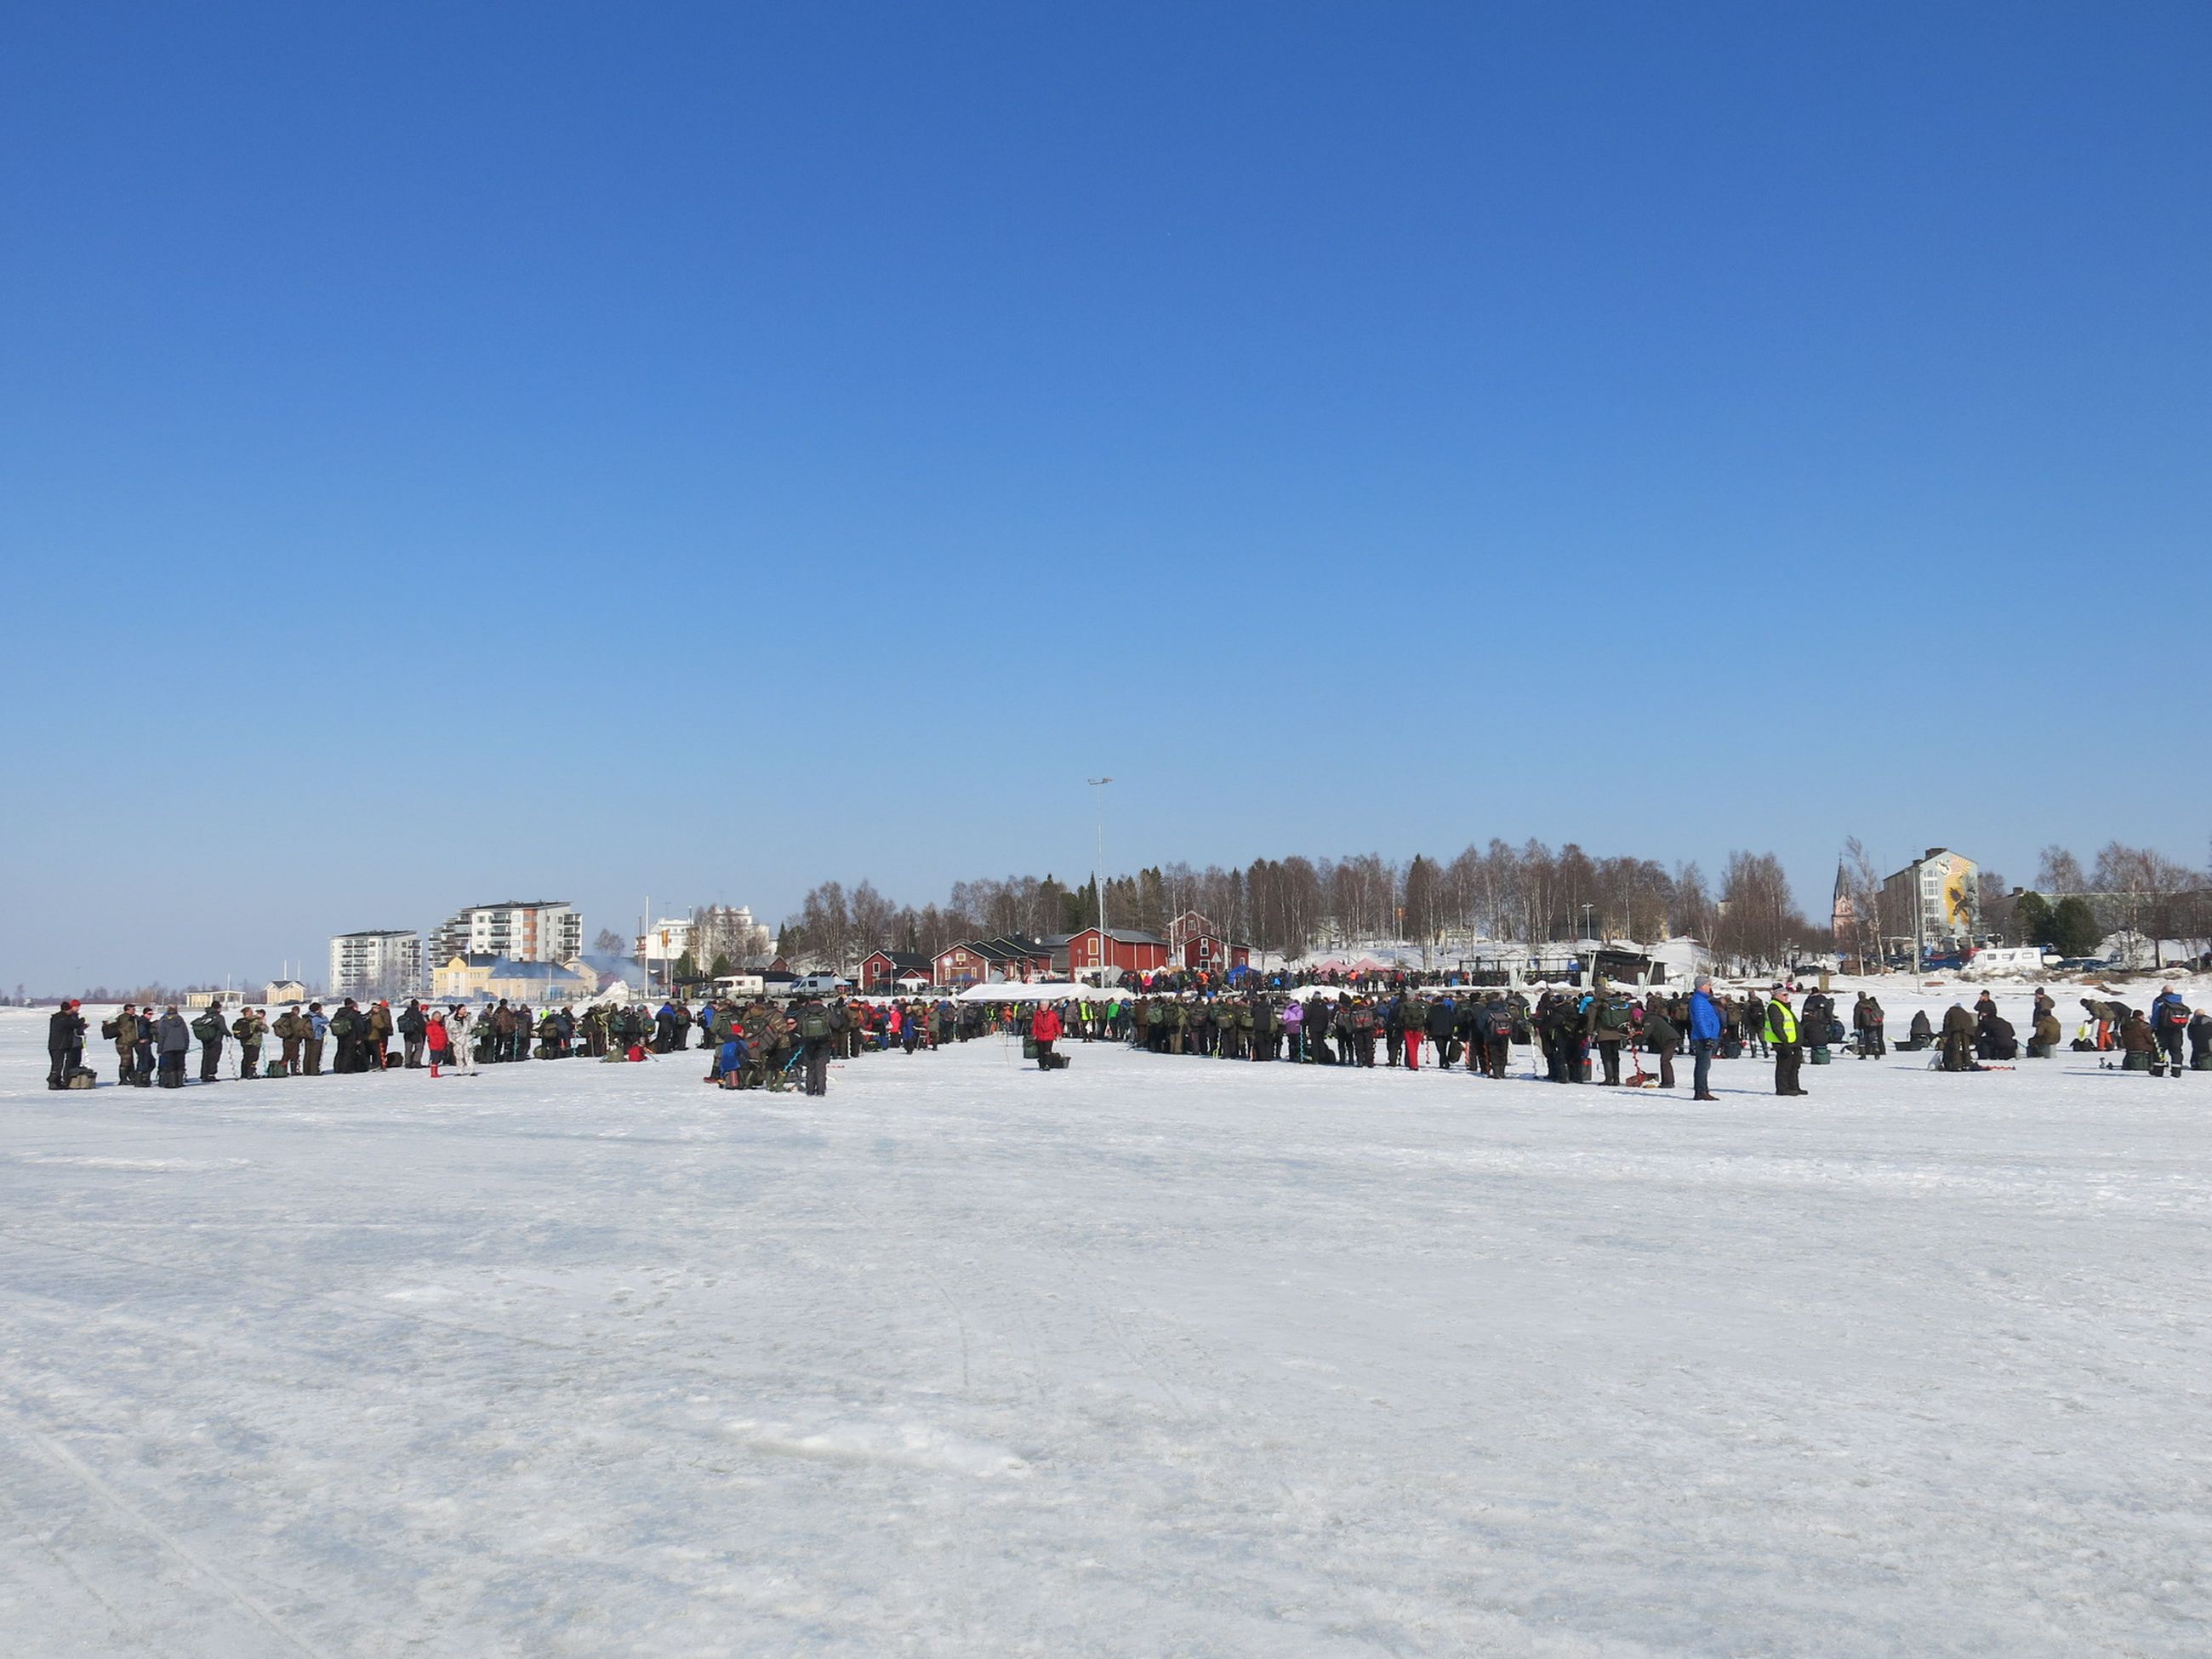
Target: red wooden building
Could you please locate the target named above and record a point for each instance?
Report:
(1126, 951)
(1193, 942)
(882, 971)
(980, 961)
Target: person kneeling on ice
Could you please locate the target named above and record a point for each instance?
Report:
(1045, 1029)
(2139, 1042)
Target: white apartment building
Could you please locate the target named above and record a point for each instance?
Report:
(537, 930)
(382, 962)
(664, 941)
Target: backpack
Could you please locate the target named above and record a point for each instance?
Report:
(1363, 1019)
(1612, 1014)
(814, 1025)
(1501, 1022)
(2177, 1013)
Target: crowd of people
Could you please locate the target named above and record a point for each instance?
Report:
(1576, 1032)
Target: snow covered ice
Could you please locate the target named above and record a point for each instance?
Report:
(1154, 1356)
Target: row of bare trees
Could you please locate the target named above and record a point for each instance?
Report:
(1529, 893)
(2133, 890)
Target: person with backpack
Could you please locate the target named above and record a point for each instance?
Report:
(290, 1028)
(1607, 1021)
(1755, 1025)
(1413, 1024)
(1495, 1033)
(819, 1025)
(341, 1026)
(414, 1033)
(1866, 1024)
(249, 1028)
(141, 1050)
(1363, 1032)
(64, 1044)
(1782, 1037)
(2169, 1021)
(210, 1030)
(315, 1031)
(1320, 1015)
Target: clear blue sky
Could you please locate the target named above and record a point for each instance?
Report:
(440, 446)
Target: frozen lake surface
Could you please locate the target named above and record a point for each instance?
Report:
(1154, 1356)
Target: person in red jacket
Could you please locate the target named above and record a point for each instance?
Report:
(436, 1038)
(1045, 1028)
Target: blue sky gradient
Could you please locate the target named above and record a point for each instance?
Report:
(440, 448)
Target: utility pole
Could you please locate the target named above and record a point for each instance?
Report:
(1919, 921)
(1099, 875)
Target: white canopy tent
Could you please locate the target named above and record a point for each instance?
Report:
(1042, 990)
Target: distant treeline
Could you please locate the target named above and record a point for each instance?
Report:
(1297, 904)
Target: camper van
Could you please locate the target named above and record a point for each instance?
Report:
(2009, 959)
(740, 988)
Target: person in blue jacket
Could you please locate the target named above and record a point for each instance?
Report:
(1705, 1025)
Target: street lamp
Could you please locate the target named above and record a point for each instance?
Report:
(1098, 872)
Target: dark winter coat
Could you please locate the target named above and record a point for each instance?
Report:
(172, 1036)
(64, 1030)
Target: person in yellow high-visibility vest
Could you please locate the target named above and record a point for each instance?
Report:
(1782, 1032)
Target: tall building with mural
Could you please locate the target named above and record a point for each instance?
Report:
(1942, 888)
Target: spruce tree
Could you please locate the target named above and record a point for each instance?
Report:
(2074, 929)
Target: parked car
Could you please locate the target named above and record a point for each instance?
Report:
(2082, 965)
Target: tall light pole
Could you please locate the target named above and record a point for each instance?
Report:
(1098, 873)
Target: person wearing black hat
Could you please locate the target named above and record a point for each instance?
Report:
(211, 1030)
(64, 1044)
